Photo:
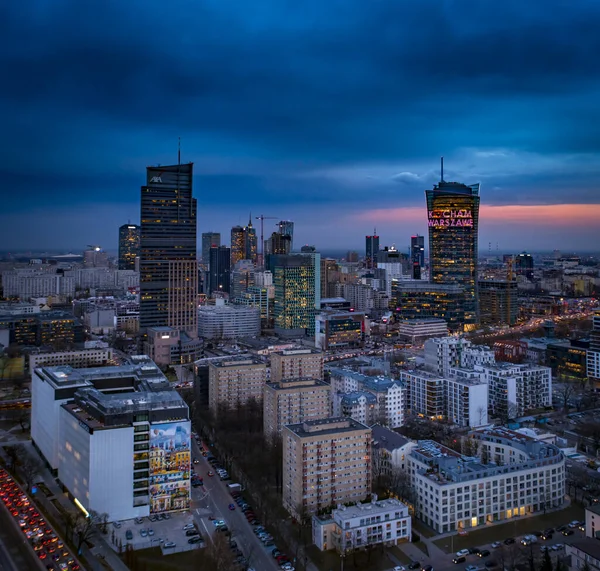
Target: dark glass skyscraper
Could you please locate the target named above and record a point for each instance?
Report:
(453, 217)
(417, 255)
(524, 265)
(129, 246)
(286, 228)
(219, 273)
(168, 251)
(371, 249)
(209, 239)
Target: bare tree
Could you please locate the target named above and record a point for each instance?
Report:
(219, 554)
(85, 527)
(30, 468)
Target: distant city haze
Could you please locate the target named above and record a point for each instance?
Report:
(333, 118)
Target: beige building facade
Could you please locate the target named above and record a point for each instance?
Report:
(234, 382)
(296, 364)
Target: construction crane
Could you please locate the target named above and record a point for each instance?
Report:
(262, 219)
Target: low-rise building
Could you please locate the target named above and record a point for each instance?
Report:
(335, 329)
(592, 521)
(77, 359)
(583, 553)
(379, 522)
(294, 401)
(170, 346)
(512, 476)
(235, 381)
(418, 330)
(325, 462)
(228, 321)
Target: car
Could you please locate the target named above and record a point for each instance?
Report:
(195, 539)
(210, 473)
(63, 566)
(143, 532)
(546, 536)
(574, 523)
(484, 553)
(496, 544)
(458, 560)
(166, 516)
(399, 568)
(129, 534)
(268, 543)
(139, 520)
(462, 553)
(471, 568)
(196, 461)
(152, 518)
(427, 568)
(189, 526)
(582, 528)
(558, 546)
(191, 532)
(218, 522)
(150, 532)
(275, 553)
(561, 528)
(117, 524)
(473, 550)
(568, 532)
(414, 565)
(509, 541)
(169, 544)
(231, 507)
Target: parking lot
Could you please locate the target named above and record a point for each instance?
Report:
(161, 532)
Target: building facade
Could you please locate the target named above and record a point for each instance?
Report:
(293, 402)
(340, 329)
(209, 240)
(498, 303)
(129, 246)
(371, 249)
(593, 353)
(453, 220)
(235, 381)
(228, 321)
(286, 228)
(325, 463)
(219, 273)
(296, 364)
(418, 330)
(168, 256)
(417, 255)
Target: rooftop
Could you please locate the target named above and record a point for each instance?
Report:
(352, 399)
(298, 351)
(588, 545)
(237, 361)
(287, 384)
(328, 426)
(387, 439)
(370, 509)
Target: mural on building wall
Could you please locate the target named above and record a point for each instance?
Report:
(170, 465)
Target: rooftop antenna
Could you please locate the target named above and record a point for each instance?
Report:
(374, 231)
(442, 163)
(179, 151)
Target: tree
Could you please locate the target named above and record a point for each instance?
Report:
(85, 527)
(13, 456)
(546, 562)
(30, 468)
(24, 419)
(219, 554)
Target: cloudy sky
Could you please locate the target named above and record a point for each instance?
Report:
(331, 113)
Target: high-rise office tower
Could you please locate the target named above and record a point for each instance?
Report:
(238, 244)
(209, 239)
(417, 255)
(453, 217)
(371, 249)
(524, 265)
(219, 273)
(296, 283)
(278, 244)
(242, 277)
(251, 242)
(129, 246)
(286, 228)
(168, 251)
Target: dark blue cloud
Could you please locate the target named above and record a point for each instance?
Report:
(283, 105)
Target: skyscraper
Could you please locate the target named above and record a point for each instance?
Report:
(168, 251)
(238, 245)
(296, 295)
(524, 265)
(129, 246)
(453, 217)
(242, 277)
(219, 273)
(286, 228)
(371, 249)
(417, 255)
(278, 244)
(209, 239)
(251, 242)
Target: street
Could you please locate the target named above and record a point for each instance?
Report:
(212, 500)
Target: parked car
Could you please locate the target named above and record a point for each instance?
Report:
(414, 565)
(188, 526)
(568, 532)
(462, 553)
(117, 524)
(509, 541)
(484, 553)
(169, 544)
(195, 539)
(574, 523)
(458, 560)
(496, 544)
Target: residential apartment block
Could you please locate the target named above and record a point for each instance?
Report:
(390, 450)
(383, 522)
(77, 359)
(445, 352)
(235, 381)
(425, 393)
(515, 476)
(294, 401)
(325, 462)
(350, 396)
(296, 364)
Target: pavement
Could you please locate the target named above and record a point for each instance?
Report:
(212, 500)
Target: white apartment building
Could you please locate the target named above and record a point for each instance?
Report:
(377, 522)
(441, 354)
(235, 381)
(325, 462)
(466, 402)
(296, 364)
(26, 283)
(418, 330)
(77, 359)
(228, 321)
(294, 401)
(361, 406)
(593, 353)
(515, 476)
(515, 389)
(391, 396)
(582, 553)
(390, 449)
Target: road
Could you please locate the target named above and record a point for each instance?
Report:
(213, 499)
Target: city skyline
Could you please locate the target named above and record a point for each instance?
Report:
(302, 116)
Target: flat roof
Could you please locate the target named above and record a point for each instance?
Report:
(287, 384)
(326, 426)
(367, 509)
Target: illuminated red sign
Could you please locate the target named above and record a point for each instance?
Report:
(448, 218)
